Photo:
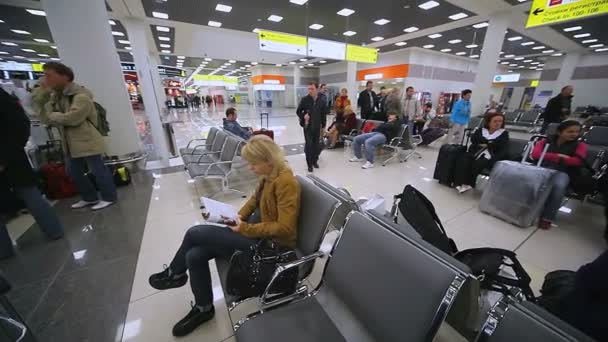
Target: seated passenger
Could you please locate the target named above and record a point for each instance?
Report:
(345, 122)
(380, 135)
(272, 212)
(232, 126)
(566, 155)
(488, 145)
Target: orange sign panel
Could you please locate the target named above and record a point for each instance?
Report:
(392, 71)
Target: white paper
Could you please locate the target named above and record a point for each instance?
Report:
(217, 212)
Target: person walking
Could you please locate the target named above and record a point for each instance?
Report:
(16, 172)
(312, 112)
(558, 108)
(367, 101)
(70, 107)
(411, 109)
(461, 113)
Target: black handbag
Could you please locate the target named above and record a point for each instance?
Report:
(251, 270)
(556, 287)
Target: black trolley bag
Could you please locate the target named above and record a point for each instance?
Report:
(489, 265)
(449, 154)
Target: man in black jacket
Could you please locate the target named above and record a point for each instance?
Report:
(558, 108)
(312, 112)
(17, 174)
(367, 100)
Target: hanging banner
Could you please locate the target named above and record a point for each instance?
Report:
(282, 42)
(355, 53)
(546, 12)
(326, 49)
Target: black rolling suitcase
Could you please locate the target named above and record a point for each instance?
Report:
(446, 163)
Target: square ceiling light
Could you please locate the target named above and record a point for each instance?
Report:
(112, 22)
(214, 23)
(122, 41)
(411, 29)
(41, 40)
(208, 59)
(471, 46)
(20, 31)
(164, 39)
(165, 51)
(256, 30)
(573, 28)
(400, 43)
(323, 62)
(316, 26)
(527, 60)
(377, 39)
(382, 21)
(428, 46)
(582, 35)
(518, 58)
(509, 56)
(162, 29)
(118, 34)
(428, 5)
(454, 41)
(345, 12)
(445, 50)
(512, 39)
(168, 46)
(458, 16)
(223, 8)
(275, 18)
(435, 35)
(480, 25)
(298, 2)
(474, 56)
(504, 63)
(349, 33)
(527, 43)
(160, 15)
(36, 12)
(461, 53)
(557, 54)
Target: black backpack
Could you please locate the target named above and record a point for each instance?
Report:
(485, 263)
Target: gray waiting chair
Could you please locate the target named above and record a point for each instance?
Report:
(510, 321)
(376, 287)
(402, 146)
(511, 117)
(597, 146)
(219, 167)
(215, 149)
(317, 209)
(347, 203)
(197, 146)
(529, 118)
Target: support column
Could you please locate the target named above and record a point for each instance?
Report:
(486, 69)
(149, 80)
(84, 42)
(297, 81)
(351, 83)
(566, 71)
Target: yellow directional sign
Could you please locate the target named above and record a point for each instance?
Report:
(282, 42)
(546, 12)
(356, 53)
(37, 67)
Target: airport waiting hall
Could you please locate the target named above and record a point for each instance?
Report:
(239, 170)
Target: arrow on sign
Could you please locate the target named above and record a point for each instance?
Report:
(263, 35)
(538, 10)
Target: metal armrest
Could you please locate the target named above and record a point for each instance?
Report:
(193, 140)
(204, 155)
(284, 267)
(354, 132)
(417, 137)
(209, 166)
(197, 146)
(399, 140)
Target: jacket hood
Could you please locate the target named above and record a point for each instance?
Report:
(75, 89)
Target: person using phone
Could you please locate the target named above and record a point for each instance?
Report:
(272, 212)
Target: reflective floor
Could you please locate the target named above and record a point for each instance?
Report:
(92, 286)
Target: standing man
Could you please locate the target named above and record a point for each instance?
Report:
(558, 108)
(16, 173)
(312, 112)
(461, 113)
(411, 109)
(70, 107)
(325, 92)
(382, 104)
(367, 101)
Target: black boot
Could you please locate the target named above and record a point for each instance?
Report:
(164, 281)
(315, 165)
(192, 321)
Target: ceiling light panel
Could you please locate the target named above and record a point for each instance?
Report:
(572, 28)
(458, 16)
(164, 39)
(461, 53)
(589, 41)
(596, 45)
(582, 35)
(428, 5)
(512, 39)
(345, 12)
(298, 2)
(9, 44)
(429, 46)
(601, 50)
(480, 25)
(454, 41)
(20, 31)
(527, 43)
(160, 15)
(223, 8)
(214, 23)
(349, 33)
(411, 29)
(275, 18)
(112, 22)
(400, 43)
(316, 26)
(162, 29)
(548, 51)
(435, 35)
(36, 12)
(28, 50)
(165, 51)
(377, 39)
(471, 46)
(41, 40)
(538, 47)
(474, 56)
(118, 34)
(446, 50)
(382, 21)
(168, 46)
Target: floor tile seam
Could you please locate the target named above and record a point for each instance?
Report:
(526, 239)
(102, 263)
(459, 215)
(227, 338)
(46, 290)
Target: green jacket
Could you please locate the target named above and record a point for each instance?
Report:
(73, 112)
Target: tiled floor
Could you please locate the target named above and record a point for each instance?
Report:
(103, 294)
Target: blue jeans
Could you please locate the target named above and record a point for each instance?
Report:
(201, 244)
(102, 174)
(371, 140)
(43, 213)
(556, 196)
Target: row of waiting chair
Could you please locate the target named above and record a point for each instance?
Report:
(213, 157)
(380, 282)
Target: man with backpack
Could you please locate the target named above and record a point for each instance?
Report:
(82, 124)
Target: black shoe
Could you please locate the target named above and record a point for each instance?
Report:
(316, 165)
(192, 320)
(162, 280)
(310, 169)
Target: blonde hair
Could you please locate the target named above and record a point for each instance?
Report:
(348, 109)
(261, 149)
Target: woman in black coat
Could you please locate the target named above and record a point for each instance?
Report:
(488, 145)
(17, 174)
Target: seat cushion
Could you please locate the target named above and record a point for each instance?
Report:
(222, 270)
(196, 170)
(304, 321)
(194, 158)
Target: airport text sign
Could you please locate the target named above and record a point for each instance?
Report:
(546, 12)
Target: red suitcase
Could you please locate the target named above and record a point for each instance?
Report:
(266, 132)
(57, 182)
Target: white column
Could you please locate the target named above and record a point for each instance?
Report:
(351, 83)
(149, 80)
(297, 80)
(566, 71)
(486, 69)
(84, 42)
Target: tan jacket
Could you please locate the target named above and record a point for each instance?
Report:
(73, 112)
(279, 207)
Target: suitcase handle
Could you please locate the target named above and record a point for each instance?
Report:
(262, 115)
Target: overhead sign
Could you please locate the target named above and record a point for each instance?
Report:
(171, 72)
(14, 66)
(534, 83)
(355, 53)
(506, 78)
(214, 80)
(282, 42)
(127, 66)
(545, 12)
(326, 49)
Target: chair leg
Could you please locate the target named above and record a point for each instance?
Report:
(394, 155)
(226, 188)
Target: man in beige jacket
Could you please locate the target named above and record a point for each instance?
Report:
(70, 107)
(412, 108)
